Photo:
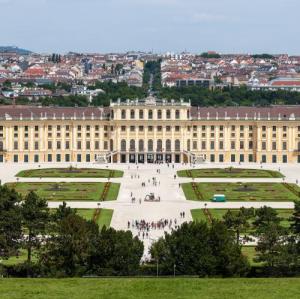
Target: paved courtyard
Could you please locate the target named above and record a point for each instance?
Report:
(172, 200)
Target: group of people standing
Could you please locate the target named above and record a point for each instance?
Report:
(144, 227)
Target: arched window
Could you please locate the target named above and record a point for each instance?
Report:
(141, 145)
(188, 114)
(168, 114)
(112, 114)
(159, 114)
(1, 145)
(177, 145)
(159, 145)
(141, 114)
(150, 114)
(123, 145)
(168, 145)
(132, 145)
(132, 114)
(177, 114)
(150, 145)
(111, 145)
(123, 114)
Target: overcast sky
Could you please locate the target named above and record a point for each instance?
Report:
(227, 26)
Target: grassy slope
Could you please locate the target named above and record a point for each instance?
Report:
(262, 192)
(69, 191)
(234, 173)
(127, 288)
(63, 173)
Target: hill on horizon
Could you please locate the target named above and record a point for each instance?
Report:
(7, 49)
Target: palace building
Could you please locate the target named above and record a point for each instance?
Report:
(150, 131)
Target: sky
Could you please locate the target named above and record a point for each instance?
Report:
(226, 26)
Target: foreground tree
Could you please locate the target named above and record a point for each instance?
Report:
(35, 217)
(238, 221)
(271, 239)
(116, 253)
(197, 249)
(76, 247)
(295, 219)
(65, 252)
(264, 217)
(10, 222)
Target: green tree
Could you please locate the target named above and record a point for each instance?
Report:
(63, 211)
(35, 217)
(264, 217)
(10, 222)
(116, 253)
(66, 251)
(271, 239)
(210, 55)
(197, 249)
(295, 219)
(238, 221)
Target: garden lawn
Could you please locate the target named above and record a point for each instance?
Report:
(243, 191)
(149, 288)
(104, 217)
(67, 191)
(21, 258)
(198, 215)
(250, 253)
(70, 173)
(229, 173)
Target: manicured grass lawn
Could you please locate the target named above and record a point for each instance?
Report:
(229, 173)
(104, 218)
(149, 288)
(21, 258)
(87, 214)
(70, 173)
(242, 191)
(250, 253)
(198, 215)
(67, 191)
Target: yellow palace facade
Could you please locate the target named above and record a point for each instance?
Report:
(150, 131)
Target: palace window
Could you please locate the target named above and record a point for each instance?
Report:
(159, 115)
(177, 145)
(132, 114)
(141, 114)
(168, 114)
